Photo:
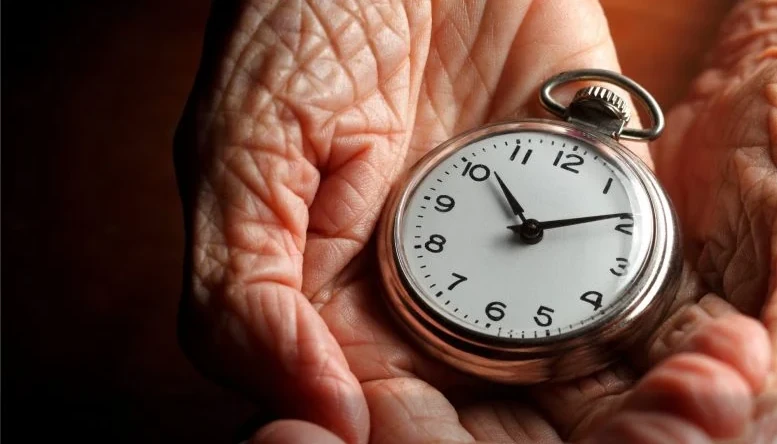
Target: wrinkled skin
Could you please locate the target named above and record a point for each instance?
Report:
(304, 114)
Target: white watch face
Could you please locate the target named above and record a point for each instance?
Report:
(469, 236)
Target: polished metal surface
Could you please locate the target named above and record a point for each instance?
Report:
(606, 97)
(632, 87)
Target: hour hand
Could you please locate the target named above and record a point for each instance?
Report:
(511, 200)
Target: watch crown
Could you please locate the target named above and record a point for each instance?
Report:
(605, 97)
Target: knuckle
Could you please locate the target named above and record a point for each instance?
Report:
(699, 388)
(676, 328)
(738, 341)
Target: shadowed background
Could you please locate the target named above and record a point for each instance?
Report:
(92, 230)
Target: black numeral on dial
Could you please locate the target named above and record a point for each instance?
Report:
(445, 203)
(621, 267)
(570, 164)
(477, 172)
(495, 311)
(607, 186)
(543, 318)
(592, 297)
(435, 243)
(525, 156)
(625, 227)
(459, 279)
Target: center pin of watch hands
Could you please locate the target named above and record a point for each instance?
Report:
(532, 230)
(528, 229)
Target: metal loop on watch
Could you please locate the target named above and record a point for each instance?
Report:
(632, 87)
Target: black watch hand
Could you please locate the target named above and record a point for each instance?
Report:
(566, 222)
(514, 205)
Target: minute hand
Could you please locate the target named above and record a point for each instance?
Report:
(578, 220)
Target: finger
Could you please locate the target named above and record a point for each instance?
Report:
(468, 49)
(407, 410)
(686, 316)
(699, 389)
(488, 59)
(713, 327)
(360, 145)
(295, 432)
(540, 51)
(736, 340)
(649, 428)
(710, 328)
(695, 388)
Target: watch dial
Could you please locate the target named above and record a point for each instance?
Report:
(524, 235)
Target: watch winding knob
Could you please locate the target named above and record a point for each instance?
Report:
(603, 96)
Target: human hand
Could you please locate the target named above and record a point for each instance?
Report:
(303, 115)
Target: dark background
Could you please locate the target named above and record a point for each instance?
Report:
(91, 229)
(91, 222)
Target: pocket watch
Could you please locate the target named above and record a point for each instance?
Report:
(538, 249)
